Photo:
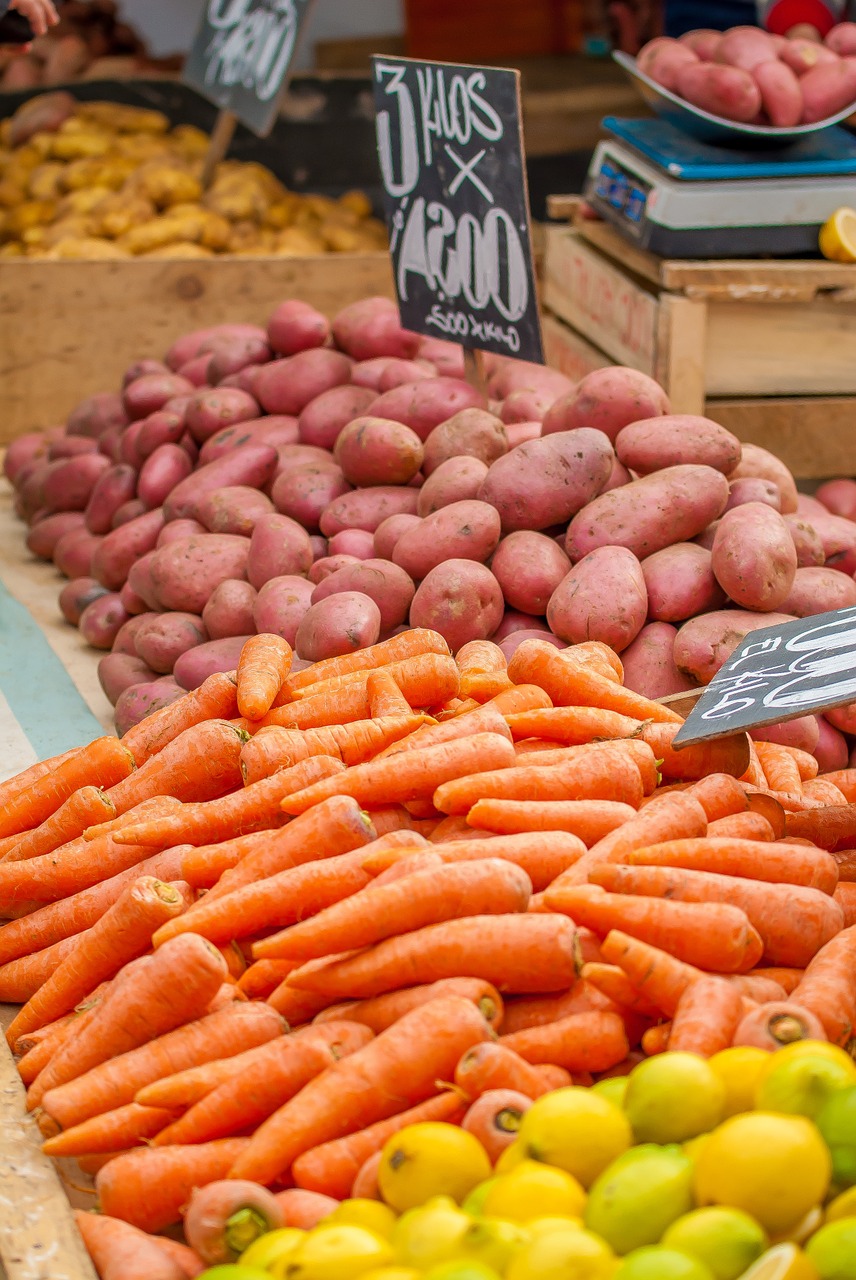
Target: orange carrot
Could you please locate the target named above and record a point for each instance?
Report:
(571, 682)
(115, 1083)
(102, 764)
(397, 649)
(423, 860)
(542, 855)
(656, 1039)
(778, 863)
(780, 768)
(392, 817)
(706, 1017)
(845, 781)
(484, 719)
(523, 1012)
(591, 820)
(768, 807)
(719, 795)
(658, 976)
(118, 1130)
(573, 725)
(482, 665)
(381, 1012)
(424, 681)
(712, 935)
(37, 1058)
(80, 810)
(494, 1119)
(259, 980)
(149, 1187)
(385, 697)
(395, 1071)
(495, 1065)
(21, 979)
(673, 817)
(827, 988)
(723, 755)
(592, 1041)
(826, 826)
(455, 827)
(296, 1007)
(121, 1252)
(264, 663)
(521, 953)
(823, 790)
(331, 1167)
(774, 1025)
(204, 864)
(18, 784)
(599, 657)
(275, 748)
(612, 982)
(845, 896)
(304, 1209)
(754, 775)
(742, 826)
(215, 699)
(787, 979)
(202, 763)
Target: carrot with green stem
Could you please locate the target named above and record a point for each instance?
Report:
(776, 864)
(827, 988)
(381, 1012)
(706, 1017)
(395, 1071)
(408, 644)
(542, 855)
(121, 1252)
(264, 663)
(149, 1187)
(690, 764)
(215, 699)
(495, 1065)
(84, 807)
(385, 697)
(276, 748)
(118, 1130)
(202, 763)
(590, 820)
(494, 1120)
(570, 681)
(593, 1041)
(101, 764)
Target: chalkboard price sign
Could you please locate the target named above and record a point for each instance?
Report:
(451, 158)
(778, 673)
(241, 55)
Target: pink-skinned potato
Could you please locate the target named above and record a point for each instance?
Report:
(802, 733)
(506, 375)
(746, 47)
(460, 599)
(455, 480)
(368, 373)
(178, 529)
(704, 42)
(649, 663)
(473, 433)
(280, 605)
(543, 482)
(513, 620)
(529, 567)
(140, 581)
(274, 429)
(324, 417)
(754, 558)
(675, 438)
(618, 476)
(819, 590)
(672, 505)
(140, 368)
(161, 472)
(229, 611)
(388, 532)
(212, 410)
(120, 671)
(832, 750)
(250, 464)
(367, 508)
(112, 560)
(461, 531)
(723, 91)
(234, 509)
(358, 543)
(607, 400)
(71, 447)
(131, 602)
(803, 56)
(100, 621)
(45, 534)
(325, 565)
(128, 511)
(288, 386)
(447, 357)
(603, 597)
(296, 326)
(25, 449)
(196, 371)
(510, 643)
(126, 636)
(424, 404)
(305, 491)
(838, 496)
(370, 328)
(74, 553)
(151, 392)
(377, 451)
(520, 432)
(781, 93)
(338, 625)
(841, 39)
(396, 371)
(141, 700)
(526, 405)
(755, 461)
(185, 573)
(753, 489)
(807, 542)
(69, 484)
(278, 545)
(195, 666)
(77, 595)
(113, 488)
(162, 640)
(384, 582)
(662, 59)
(705, 642)
(233, 355)
(96, 414)
(680, 583)
(827, 89)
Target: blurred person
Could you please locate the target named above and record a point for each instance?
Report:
(40, 14)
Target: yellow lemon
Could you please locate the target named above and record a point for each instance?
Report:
(576, 1130)
(832, 1249)
(430, 1234)
(430, 1159)
(738, 1069)
(782, 1262)
(546, 1226)
(837, 238)
(462, 1269)
(673, 1097)
(493, 1241)
(532, 1190)
(338, 1253)
(364, 1213)
(804, 1083)
(474, 1203)
(801, 1048)
(613, 1089)
(774, 1167)
(843, 1206)
(269, 1250)
(804, 1228)
(727, 1241)
(639, 1195)
(510, 1157)
(573, 1254)
(653, 1262)
(393, 1273)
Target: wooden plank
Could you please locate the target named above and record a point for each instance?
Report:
(68, 329)
(568, 351)
(680, 367)
(597, 299)
(605, 238)
(755, 349)
(814, 437)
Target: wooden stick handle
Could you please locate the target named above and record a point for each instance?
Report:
(221, 136)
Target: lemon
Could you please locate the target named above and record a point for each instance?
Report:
(493, 1241)
(474, 1203)
(234, 1271)
(546, 1226)
(656, 1263)
(270, 1249)
(726, 1240)
(430, 1234)
(832, 1249)
(532, 1190)
(613, 1089)
(461, 1269)
(803, 1083)
(843, 1206)
(392, 1273)
(837, 1125)
(510, 1157)
(639, 1195)
(576, 1130)
(337, 1253)
(738, 1069)
(430, 1159)
(573, 1254)
(814, 1048)
(774, 1167)
(364, 1213)
(782, 1262)
(837, 238)
(673, 1097)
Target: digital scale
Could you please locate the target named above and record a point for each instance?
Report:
(684, 198)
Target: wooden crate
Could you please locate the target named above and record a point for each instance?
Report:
(68, 329)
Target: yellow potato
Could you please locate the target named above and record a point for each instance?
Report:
(82, 201)
(151, 235)
(120, 211)
(180, 249)
(31, 213)
(139, 148)
(83, 173)
(82, 247)
(358, 202)
(296, 242)
(243, 235)
(72, 228)
(166, 184)
(339, 239)
(237, 203)
(189, 141)
(321, 206)
(12, 250)
(46, 180)
(80, 146)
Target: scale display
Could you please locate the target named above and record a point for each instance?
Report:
(622, 190)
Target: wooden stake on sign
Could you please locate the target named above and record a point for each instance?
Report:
(221, 137)
(474, 369)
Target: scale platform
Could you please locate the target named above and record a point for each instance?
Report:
(682, 198)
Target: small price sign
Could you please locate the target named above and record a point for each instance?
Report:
(778, 673)
(451, 157)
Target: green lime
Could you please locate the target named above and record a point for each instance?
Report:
(726, 1240)
(462, 1269)
(639, 1195)
(613, 1089)
(673, 1097)
(803, 1085)
(837, 1124)
(832, 1249)
(657, 1263)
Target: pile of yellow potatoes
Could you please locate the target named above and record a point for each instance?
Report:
(104, 180)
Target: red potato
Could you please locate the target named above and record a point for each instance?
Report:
(367, 508)
(96, 414)
(423, 405)
(69, 484)
(25, 449)
(507, 375)
(229, 611)
(520, 432)
(161, 472)
(618, 476)
(460, 599)
(337, 625)
(280, 605)
(126, 636)
(100, 621)
(31, 487)
(703, 42)
(704, 643)
(74, 553)
(141, 700)
(838, 537)
(607, 400)
(396, 371)
(512, 642)
(668, 506)
(195, 666)
(663, 58)
(325, 565)
(461, 531)
(649, 663)
(196, 371)
(131, 602)
(722, 91)
(71, 447)
(162, 640)
(746, 47)
(841, 39)
(447, 357)
(672, 439)
(250, 464)
(189, 345)
(140, 581)
(356, 543)
(211, 411)
(680, 583)
(803, 56)
(832, 750)
(819, 590)
(278, 546)
(802, 733)
(120, 671)
(368, 373)
(526, 405)
(233, 355)
(110, 443)
(185, 573)
(234, 509)
(113, 488)
(603, 598)
(471, 433)
(324, 417)
(807, 542)
(837, 496)
(753, 489)
(514, 621)
(111, 562)
(781, 93)
(455, 480)
(127, 450)
(543, 482)
(370, 328)
(45, 534)
(275, 429)
(151, 392)
(178, 529)
(827, 89)
(754, 558)
(288, 386)
(529, 567)
(388, 532)
(77, 595)
(304, 492)
(382, 581)
(378, 451)
(296, 326)
(843, 718)
(756, 461)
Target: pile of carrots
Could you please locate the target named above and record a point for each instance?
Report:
(251, 938)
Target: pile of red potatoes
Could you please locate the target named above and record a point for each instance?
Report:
(334, 482)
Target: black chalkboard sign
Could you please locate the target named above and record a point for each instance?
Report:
(451, 156)
(241, 55)
(778, 673)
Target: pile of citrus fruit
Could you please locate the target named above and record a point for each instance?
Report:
(739, 1167)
